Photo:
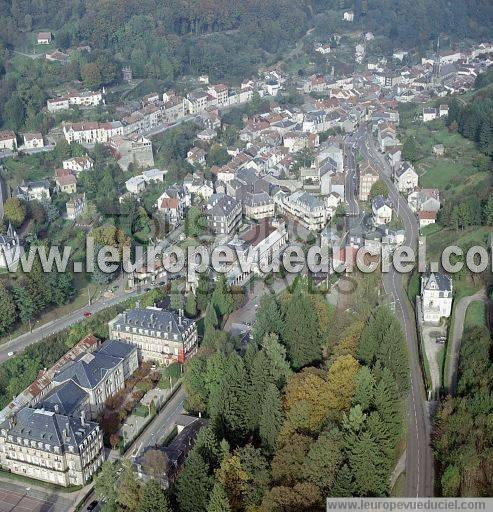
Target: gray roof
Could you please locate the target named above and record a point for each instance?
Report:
(158, 320)
(116, 348)
(259, 199)
(64, 399)
(49, 428)
(380, 201)
(443, 281)
(88, 370)
(222, 205)
(309, 201)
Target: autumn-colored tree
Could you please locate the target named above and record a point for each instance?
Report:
(287, 464)
(14, 211)
(233, 479)
(114, 440)
(341, 380)
(306, 400)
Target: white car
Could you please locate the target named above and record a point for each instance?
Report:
(10, 354)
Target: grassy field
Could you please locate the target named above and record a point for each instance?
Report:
(454, 173)
(475, 315)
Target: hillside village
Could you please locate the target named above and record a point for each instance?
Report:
(293, 171)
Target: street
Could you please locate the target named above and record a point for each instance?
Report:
(419, 459)
(19, 343)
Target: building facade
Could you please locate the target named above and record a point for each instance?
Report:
(161, 336)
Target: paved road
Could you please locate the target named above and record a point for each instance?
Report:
(455, 341)
(159, 428)
(351, 179)
(19, 343)
(419, 460)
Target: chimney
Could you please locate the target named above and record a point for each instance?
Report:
(180, 316)
(83, 418)
(56, 408)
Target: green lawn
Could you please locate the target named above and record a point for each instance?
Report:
(172, 371)
(475, 315)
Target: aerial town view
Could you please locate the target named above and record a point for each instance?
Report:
(246, 253)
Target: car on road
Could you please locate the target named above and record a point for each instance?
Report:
(87, 314)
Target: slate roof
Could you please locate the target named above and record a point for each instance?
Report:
(380, 202)
(49, 428)
(88, 370)
(158, 320)
(443, 281)
(64, 399)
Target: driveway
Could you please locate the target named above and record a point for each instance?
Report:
(432, 348)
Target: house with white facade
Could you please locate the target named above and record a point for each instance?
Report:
(136, 184)
(310, 211)
(382, 210)
(8, 140)
(10, 249)
(406, 178)
(436, 297)
(33, 140)
(78, 164)
(368, 175)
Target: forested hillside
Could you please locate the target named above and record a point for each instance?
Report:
(228, 38)
(463, 435)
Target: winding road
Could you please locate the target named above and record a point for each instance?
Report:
(419, 458)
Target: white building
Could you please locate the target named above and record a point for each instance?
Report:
(254, 250)
(348, 16)
(429, 114)
(52, 447)
(78, 164)
(406, 178)
(33, 140)
(310, 211)
(91, 132)
(75, 99)
(436, 297)
(135, 184)
(8, 140)
(10, 249)
(44, 38)
(382, 210)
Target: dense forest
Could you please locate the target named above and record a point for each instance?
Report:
(463, 434)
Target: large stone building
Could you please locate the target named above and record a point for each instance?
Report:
(308, 210)
(100, 374)
(47, 434)
(224, 214)
(52, 447)
(161, 336)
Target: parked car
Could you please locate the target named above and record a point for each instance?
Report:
(92, 505)
(87, 314)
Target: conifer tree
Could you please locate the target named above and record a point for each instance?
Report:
(194, 484)
(219, 501)
(271, 418)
